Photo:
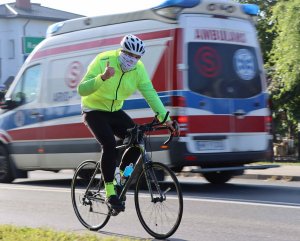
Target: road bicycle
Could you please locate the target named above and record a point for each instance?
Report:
(157, 193)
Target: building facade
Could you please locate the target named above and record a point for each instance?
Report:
(22, 26)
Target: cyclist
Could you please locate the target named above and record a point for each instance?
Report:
(111, 78)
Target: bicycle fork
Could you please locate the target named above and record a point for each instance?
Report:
(151, 177)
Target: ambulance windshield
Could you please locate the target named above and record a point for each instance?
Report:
(221, 70)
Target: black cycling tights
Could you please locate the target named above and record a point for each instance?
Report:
(104, 126)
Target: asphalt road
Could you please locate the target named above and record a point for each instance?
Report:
(243, 210)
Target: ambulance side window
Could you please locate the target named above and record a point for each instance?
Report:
(26, 89)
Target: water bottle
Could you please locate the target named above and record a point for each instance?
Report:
(128, 170)
(126, 174)
(118, 176)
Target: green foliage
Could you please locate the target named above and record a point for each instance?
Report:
(12, 233)
(264, 25)
(279, 34)
(285, 63)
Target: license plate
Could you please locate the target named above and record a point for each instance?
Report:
(216, 145)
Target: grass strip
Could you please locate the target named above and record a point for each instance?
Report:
(13, 233)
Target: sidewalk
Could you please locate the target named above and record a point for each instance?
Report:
(284, 172)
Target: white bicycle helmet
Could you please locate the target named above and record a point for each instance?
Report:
(133, 44)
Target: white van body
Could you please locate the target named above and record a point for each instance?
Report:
(204, 60)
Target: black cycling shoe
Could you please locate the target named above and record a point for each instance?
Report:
(113, 202)
(118, 189)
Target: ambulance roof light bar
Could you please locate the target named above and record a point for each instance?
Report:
(178, 3)
(53, 28)
(251, 9)
(171, 8)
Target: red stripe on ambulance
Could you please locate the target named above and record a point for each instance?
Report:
(225, 124)
(97, 43)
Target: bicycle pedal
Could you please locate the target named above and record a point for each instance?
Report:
(114, 212)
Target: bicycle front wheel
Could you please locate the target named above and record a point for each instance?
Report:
(159, 207)
(88, 196)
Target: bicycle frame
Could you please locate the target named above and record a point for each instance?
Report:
(89, 200)
(92, 179)
(143, 162)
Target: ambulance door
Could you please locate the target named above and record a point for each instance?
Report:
(208, 105)
(25, 117)
(245, 78)
(249, 102)
(67, 141)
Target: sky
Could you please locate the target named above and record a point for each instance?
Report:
(95, 7)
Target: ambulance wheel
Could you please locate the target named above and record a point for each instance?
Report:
(217, 177)
(177, 169)
(6, 175)
(86, 174)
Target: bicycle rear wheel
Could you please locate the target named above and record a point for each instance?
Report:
(159, 215)
(89, 205)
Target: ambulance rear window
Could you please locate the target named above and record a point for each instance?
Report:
(221, 70)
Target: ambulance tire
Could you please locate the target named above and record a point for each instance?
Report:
(177, 169)
(218, 177)
(86, 174)
(6, 172)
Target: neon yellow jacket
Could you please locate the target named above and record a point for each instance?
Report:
(109, 95)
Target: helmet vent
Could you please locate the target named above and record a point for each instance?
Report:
(127, 46)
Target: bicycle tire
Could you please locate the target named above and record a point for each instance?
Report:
(90, 209)
(147, 209)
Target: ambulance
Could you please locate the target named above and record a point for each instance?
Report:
(205, 62)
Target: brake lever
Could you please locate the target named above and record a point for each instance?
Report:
(169, 139)
(173, 133)
(177, 128)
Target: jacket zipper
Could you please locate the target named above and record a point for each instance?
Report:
(111, 109)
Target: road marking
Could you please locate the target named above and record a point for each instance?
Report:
(247, 202)
(239, 202)
(43, 189)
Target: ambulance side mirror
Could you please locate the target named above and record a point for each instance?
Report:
(8, 104)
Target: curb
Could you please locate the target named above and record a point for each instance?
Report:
(285, 178)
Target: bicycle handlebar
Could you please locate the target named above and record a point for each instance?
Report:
(172, 133)
(152, 127)
(157, 123)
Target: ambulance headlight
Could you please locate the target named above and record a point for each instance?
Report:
(54, 28)
(251, 9)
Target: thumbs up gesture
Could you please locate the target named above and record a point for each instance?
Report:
(108, 72)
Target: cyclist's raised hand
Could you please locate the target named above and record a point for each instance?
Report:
(108, 72)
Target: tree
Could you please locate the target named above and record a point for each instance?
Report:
(284, 60)
(264, 25)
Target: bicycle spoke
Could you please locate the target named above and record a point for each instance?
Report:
(88, 196)
(159, 207)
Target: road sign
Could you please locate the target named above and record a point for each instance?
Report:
(29, 43)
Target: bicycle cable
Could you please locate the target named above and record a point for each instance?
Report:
(148, 136)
